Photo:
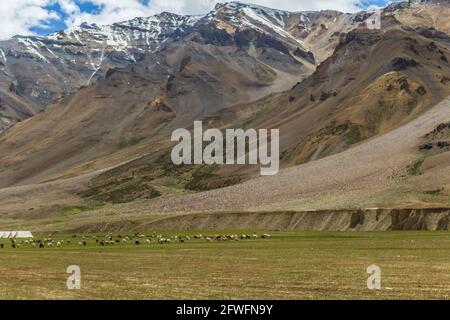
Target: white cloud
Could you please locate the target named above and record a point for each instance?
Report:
(20, 16)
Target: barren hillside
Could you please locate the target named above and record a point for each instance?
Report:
(362, 113)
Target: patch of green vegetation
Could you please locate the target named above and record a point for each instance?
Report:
(126, 143)
(122, 191)
(434, 192)
(353, 134)
(415, 168)
(74, 210)
(350, 130)
(334, 129)
(204, 180)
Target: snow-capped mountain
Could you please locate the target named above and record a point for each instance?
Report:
(76, 56)
(140, 33)
(38, 71)
(237, 15)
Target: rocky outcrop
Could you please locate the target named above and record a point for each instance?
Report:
(329, 220)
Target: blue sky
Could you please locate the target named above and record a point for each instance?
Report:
(46, 16)
(379, 3)
(60, 24)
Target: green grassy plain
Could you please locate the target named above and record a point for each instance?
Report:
(290, 265)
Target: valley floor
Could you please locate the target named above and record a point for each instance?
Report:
(294, 265)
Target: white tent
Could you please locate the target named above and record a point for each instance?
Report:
(15, 234)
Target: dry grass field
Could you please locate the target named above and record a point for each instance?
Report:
(293, 265)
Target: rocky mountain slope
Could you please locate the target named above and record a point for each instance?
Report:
(328, 82)
(38, 71)
(389, 171)
(142, 89)
(46, 69)
(376, 81)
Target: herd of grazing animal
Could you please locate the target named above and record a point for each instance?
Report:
(137, 240)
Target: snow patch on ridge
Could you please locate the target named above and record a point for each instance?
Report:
(2, 55)
(265, 20)
(32, 48)
(149, 31)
